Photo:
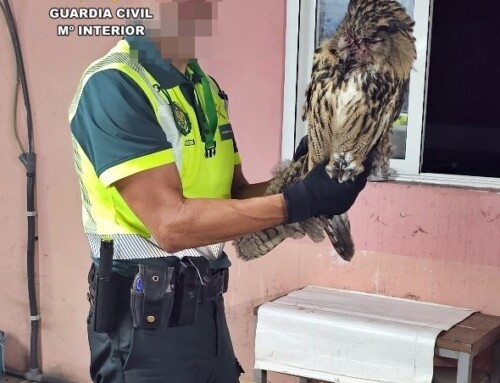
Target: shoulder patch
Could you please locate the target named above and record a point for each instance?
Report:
(181, 119)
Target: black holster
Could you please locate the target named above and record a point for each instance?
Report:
(106, 295)
(193, 273)
(106, 290)
(105, 316)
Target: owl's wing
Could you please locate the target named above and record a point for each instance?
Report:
(383, 146)
(381, 106)
(366, 105)
(321, 103)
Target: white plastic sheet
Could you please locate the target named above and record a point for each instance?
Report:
(351, 337)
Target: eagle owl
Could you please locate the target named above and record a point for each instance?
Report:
(357, 88)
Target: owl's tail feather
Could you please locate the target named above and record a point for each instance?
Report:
(260, 243)
(338, 230)
(257, 244)
(315, 229)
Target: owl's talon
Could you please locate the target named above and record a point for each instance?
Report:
(351, 171)
(344, 167)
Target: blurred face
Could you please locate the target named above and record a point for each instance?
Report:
(181, 27)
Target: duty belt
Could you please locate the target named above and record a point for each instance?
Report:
(210, 290)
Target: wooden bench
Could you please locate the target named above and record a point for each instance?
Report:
(469, 338)
(462, 342)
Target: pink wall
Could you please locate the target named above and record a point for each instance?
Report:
(430, 243)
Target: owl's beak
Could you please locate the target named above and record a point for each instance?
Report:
(348, 59)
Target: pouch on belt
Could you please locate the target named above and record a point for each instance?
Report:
(152, 296)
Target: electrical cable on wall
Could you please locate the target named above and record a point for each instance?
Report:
(28, 159)
(15, 96)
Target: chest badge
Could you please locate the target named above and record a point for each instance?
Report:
(181, 119)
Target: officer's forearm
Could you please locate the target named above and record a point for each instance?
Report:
(199, 222)
(157, 198)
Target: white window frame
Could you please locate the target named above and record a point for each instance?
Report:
(300, 45)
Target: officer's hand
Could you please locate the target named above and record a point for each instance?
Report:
(302, 148)
(317, 194)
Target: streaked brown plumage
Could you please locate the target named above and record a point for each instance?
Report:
(357, 88)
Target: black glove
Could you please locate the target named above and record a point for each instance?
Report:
(317, 194)
(302, 148)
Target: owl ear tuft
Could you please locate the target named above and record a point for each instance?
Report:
(395, 26)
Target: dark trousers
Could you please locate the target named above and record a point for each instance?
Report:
(197, 353)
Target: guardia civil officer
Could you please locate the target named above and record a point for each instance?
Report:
(162, 190)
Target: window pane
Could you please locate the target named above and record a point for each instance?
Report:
(329, 15)
(462, 127)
